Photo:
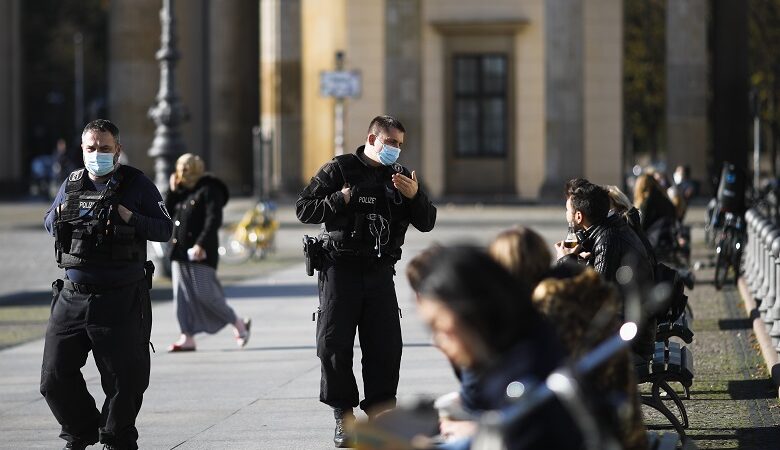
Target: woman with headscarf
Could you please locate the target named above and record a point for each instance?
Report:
(196, 199)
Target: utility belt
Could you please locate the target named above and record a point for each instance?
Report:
(316, 249)
(104, 288)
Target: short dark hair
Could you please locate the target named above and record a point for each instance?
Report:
(102, 125)
(573, 184)
(385, 123)
(485, 297)
(591, 200)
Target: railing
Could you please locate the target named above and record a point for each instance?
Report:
(762, 269)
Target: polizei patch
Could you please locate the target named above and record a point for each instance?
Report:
(164, 209)
(85, 207)
(367, 200)
(76, 175)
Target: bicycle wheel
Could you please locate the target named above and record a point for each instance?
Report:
(736, 261)
(722, 262)
(232, 249)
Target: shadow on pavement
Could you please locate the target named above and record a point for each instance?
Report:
(40, 298)
(758, 438)
(752, 390)
(735, 324)
(297, 347)
(274, 290)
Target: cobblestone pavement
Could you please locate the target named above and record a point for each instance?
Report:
(733, 403)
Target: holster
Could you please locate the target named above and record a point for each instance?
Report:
(149, 271)
(313, 253)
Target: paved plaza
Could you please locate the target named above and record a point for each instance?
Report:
(265, 396)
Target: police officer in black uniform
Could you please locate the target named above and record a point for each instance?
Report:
(365, 201)
(101, 219)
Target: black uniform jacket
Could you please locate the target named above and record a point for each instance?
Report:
(197, 216)
(322, 201)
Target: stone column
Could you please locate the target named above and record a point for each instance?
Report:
(12, 170)
(133, 75)
(403, 74)
(564, 123)
(603, 68)
(686, 85)
(281, 95)
(233, 95)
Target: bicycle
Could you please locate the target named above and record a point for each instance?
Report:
(254, 236)
(728, 248)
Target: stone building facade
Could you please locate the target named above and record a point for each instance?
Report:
(501, 98)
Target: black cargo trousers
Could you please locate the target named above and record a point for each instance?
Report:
(114, 323)
(358, 293)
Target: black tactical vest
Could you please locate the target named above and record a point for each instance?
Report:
(88, 229)
(364, 229)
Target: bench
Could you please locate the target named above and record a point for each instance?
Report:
(681, 328)
(671, 363)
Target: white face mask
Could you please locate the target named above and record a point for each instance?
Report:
(677, 178)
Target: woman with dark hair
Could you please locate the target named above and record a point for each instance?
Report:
(659, 216)
(482, 319)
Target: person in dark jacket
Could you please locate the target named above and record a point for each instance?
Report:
(482, 319)
(365, 202)
(101, 220)
(607, 244)
(658, 214)
(196, 200)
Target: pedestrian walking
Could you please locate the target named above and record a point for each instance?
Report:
(196, 200)
(101, 219)
(365, 201)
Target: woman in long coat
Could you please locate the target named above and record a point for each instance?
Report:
(196, 200)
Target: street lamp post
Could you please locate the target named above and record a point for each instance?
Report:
(169, 112)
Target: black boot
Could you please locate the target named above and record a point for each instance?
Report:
(343, 417)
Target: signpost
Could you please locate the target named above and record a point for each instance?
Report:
(340, 84)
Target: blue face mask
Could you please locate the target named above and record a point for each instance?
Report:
(99, 164)
(388, 154)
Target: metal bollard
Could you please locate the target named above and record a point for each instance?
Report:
(767, 267)
(758, 280)
(750, 218)
(751, 270)
(772, 302)
(751, 221)
(769, 271)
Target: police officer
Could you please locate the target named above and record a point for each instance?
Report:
(101, 219)
(365, 201)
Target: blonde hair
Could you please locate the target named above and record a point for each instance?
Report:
(585, 311)
(189, 168)
(523, 252)
(572, 303)
(644, 185)
(617, 199)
